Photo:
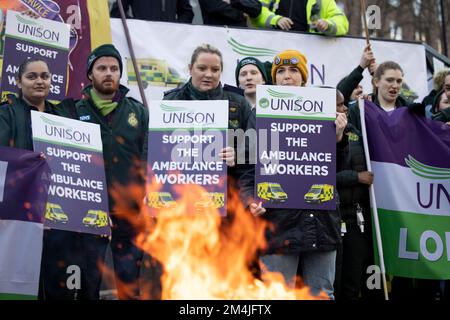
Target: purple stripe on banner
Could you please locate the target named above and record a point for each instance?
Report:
(393, 136)
(25, 185)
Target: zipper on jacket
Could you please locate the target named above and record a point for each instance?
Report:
(163, 5)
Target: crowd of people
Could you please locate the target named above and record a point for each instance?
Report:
(308, 243)
(315, 16)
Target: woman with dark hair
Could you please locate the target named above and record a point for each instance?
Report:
(33, 80)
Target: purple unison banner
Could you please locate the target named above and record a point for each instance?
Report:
(78, 199)
(27, 38)
(185, 138)
(410, 159)
(296, 165)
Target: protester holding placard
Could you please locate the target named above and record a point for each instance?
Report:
(124, 128)
(33, 81)
(301, 238)
(206, 69)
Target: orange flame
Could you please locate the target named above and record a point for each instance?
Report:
(206, 256)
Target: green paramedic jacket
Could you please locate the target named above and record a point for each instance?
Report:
(329, 11)
(15, 122)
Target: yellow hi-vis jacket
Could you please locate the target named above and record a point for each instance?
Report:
(329, 11)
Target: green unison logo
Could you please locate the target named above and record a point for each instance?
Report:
(167, 108)
(426, 171)
(245, 50)
(51, 122)
(264, 103)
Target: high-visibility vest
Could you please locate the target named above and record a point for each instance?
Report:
(315, 9)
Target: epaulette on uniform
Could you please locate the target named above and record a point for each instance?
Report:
(4, 104)
(166, 93)
(68, 105)
(234, 89)
(138, 104)
(135, 100)
(9, 100)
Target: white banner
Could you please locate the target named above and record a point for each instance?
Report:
(164, 50)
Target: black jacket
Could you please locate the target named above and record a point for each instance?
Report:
(241, 176)
(157, 10)
(429, 99)
(351, 160)
(293, 231)
(350, 82)
(15, 122)
(218, 12)
(296, 230)
(296, 10)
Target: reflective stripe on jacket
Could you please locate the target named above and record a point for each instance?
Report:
(329, 11)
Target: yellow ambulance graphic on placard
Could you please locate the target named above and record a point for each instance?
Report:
(271, 191)
(54, 212)
(214, 200)
(96, 218)
(319, 193)
(160, 200)
(154, 72)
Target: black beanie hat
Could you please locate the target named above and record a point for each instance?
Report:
(251, 60)
(105, 50)
(268, 68)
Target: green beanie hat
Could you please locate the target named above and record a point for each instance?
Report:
(106, 50)
(253, 61)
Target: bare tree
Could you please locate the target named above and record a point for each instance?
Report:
(412, 20)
